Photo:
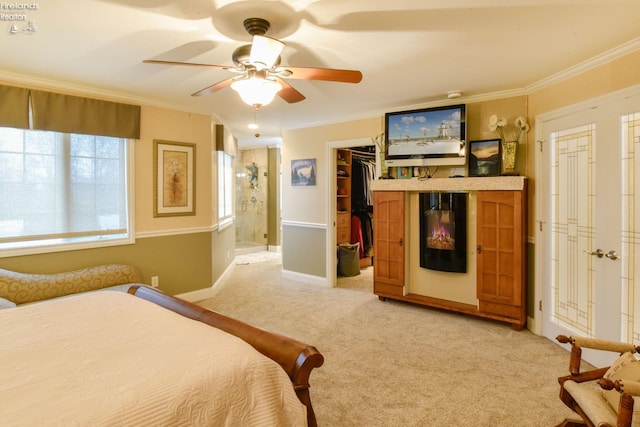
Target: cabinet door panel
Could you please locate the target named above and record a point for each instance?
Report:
(388, 251)
(501, 247)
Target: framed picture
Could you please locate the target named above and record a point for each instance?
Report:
(405, 172)
(303, 172)
(174, 184)
(484, 157)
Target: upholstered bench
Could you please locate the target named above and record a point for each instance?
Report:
(22, 288)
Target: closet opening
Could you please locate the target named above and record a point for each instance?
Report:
(355, 170)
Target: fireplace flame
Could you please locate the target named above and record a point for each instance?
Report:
(440, 236)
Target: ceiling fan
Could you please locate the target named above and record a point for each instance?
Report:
(262, 74)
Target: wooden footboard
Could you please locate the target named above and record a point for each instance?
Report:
(296, 358)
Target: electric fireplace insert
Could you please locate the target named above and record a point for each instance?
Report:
(443, 231)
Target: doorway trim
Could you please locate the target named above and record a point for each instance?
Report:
(331, 170)
(542, 198)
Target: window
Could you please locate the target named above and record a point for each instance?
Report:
(225, 188)
(62, 189)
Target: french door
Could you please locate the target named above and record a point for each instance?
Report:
(587, 246)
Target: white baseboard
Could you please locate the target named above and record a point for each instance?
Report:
(195, 296)
(305, 278)
(205, 293)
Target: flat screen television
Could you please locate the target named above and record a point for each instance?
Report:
(426, 137)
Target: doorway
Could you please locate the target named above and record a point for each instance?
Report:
(588, 250)
(251, 200)
(332, 226)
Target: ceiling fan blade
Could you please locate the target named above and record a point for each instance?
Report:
(327, 74)
(288, 92)
(191, 64)
(215, 87)
(265, 51)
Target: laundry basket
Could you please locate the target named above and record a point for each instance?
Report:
(349, 259)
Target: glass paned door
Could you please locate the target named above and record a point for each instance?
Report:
(588, 246)
(630, 140)
(573, 224)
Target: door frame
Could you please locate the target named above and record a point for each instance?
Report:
(331, 169)
(542, 201)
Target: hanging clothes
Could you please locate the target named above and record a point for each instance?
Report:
(356, 233)
(363, 172)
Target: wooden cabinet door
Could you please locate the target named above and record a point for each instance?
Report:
(501, 252)
(388, 243)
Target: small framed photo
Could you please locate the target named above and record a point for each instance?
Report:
(405, 172)
(303, 172)
(484, 157)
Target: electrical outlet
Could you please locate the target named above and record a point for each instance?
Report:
(154, 281)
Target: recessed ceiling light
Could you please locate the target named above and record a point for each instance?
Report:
(453, 94)
(253, 126)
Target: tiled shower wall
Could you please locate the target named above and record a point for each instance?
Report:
(251, 197)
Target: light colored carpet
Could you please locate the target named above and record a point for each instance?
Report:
(362, 282)
(395, 364)
(253, 258)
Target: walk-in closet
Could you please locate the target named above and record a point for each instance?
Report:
(356, 169)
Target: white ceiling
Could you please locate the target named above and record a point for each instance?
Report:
(411, 52)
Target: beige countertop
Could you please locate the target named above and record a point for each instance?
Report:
(450, 184)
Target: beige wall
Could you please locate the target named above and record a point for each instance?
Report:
(308, 204)
(163, 124)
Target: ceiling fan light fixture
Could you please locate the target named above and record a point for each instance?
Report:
(265, 51)
(256, 91)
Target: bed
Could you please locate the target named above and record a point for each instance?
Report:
(146, 358)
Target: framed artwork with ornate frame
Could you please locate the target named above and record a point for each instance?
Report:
(174, 184)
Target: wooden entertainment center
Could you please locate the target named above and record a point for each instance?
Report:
(500, 234)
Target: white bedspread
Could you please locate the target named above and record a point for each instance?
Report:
(110, 358)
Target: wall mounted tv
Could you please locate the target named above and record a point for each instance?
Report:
(426, 137)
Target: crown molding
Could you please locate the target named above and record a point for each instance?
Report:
(596, 61)
(81, 90)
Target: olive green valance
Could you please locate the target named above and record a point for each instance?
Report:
(14, 107)
(75, 114)
(224, 141)
(66, 113)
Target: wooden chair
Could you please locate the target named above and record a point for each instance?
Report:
(583, 392)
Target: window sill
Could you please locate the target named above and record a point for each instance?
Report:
(33, 249)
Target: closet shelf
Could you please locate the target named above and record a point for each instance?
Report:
(343, 196)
